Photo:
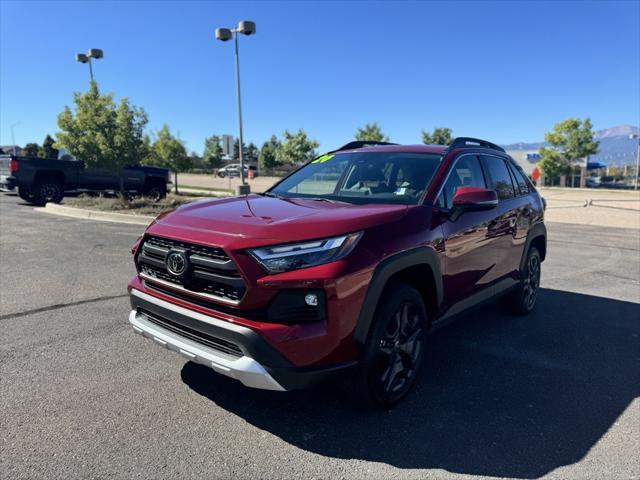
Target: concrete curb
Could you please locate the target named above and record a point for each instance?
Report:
(206, 193)
(55, 209)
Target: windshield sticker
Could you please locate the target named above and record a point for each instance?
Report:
(323, 158)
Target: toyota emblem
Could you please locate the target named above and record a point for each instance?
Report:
(176, 263)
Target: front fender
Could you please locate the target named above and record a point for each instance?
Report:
(381, 275)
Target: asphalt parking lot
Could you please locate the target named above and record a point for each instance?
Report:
(81, 396)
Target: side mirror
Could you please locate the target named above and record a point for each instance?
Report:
(474, 199)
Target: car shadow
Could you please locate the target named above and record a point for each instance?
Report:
(502, 395)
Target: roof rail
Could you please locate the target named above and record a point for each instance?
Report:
(361, 144)
(461, 142)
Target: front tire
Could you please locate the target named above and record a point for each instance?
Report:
(393, 353)
(48, 191)
(155, 192)
(524, 297)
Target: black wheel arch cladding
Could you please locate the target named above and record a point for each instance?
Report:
(384, 272)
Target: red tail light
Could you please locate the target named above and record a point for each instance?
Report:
(13, 165)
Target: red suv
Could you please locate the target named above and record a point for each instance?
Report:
(342, 267)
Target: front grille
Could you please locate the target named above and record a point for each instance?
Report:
(210, 272)
(210, 341)
(210, 252)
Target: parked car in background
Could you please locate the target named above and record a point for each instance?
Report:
(41, 180)
(233, 170)
(594, 182)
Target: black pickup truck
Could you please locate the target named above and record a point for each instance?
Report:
(41, 180)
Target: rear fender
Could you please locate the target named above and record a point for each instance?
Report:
(537, 233)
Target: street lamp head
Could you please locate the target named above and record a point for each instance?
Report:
(95, 53)
(223, 34)
(246, 27)
(82, 58)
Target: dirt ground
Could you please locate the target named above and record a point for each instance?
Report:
(587, 206)
(607, 208)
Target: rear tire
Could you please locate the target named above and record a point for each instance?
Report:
(25, 194)
(523, 298)
(48, 191)
(391, 358)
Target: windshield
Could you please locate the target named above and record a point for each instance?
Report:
(363, 177)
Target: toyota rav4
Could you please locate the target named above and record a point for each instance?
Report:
(341, 268)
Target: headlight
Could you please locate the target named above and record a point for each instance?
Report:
(282, 258)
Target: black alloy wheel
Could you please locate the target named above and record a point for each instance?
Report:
(48, 191)
(391, 359)
(156, 192)
(400, 349)
(524, 297)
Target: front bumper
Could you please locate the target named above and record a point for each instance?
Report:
(230, 349)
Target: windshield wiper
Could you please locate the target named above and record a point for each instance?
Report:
(320, 199)
(270, 194)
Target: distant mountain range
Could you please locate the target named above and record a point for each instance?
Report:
(616, 148)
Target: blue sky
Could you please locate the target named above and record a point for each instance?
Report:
(505, 71)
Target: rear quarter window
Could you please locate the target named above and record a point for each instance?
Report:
(522, 184)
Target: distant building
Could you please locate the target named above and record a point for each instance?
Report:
(527, 159)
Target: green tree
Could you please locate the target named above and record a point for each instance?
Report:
(168, 151)
(88, 132)
(570, 141)
(31, 150)
(553, 164)
(236, 149)
(440, 136)
(128, 139)
(296, 147)
(371, 132)
(102, 134)
(213, 151)
(196, 160)
(252, 154)
(48, 150)
(268, 157)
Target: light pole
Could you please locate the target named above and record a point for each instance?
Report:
(632, 136)
(13, 139)
(224, 34)
(86, 58)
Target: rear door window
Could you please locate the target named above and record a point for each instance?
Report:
(499, 177)
(466, 172)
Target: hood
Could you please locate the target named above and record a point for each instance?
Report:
(254, 219)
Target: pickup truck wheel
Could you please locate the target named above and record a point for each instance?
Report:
(48, 191)
(392, 356)
(25, 194)
(523, 298)
(155, 192)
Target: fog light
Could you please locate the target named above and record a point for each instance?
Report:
(311, 299)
